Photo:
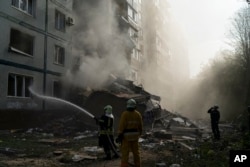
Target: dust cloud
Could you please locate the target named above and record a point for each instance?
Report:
(100, 48)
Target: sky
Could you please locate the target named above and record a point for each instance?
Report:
(204, 24)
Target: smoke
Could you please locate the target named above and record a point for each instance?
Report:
(166, 56)
(100, 47)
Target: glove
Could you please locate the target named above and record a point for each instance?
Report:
(119, 138)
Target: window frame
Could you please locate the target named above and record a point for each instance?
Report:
(18, 38)
(60, 21)
(59, 55)
(27, 8)
(132, 14)
(20, 86)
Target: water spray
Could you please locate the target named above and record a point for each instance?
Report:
(60, 100)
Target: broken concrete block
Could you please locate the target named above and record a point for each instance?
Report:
(163, 134)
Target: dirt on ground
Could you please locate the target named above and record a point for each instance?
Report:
(37, 148)
(34, 147)
(43, 140)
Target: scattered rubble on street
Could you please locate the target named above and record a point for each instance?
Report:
(70, 139)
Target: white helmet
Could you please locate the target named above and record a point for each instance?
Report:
(108, 111)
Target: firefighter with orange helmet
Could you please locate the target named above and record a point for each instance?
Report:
(130, 128)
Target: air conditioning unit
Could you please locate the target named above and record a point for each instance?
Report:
(70, 21)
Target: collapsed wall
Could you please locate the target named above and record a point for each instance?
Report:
(99, 99)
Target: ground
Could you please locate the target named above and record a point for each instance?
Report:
(35, 148)
(25, 148)
(67, 141)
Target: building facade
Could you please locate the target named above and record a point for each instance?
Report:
(134, 19)
(35, 48)
(157, 64)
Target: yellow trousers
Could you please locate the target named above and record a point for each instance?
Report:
(130, 146)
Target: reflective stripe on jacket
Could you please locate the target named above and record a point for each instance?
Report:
(106, 125)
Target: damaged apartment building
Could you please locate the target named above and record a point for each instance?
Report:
(35, 49)
(119, 47)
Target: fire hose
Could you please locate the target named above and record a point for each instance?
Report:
(60, 100)
(75, 106)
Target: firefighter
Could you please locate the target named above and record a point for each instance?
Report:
(130, 128)
(106, 133)
(215, 118)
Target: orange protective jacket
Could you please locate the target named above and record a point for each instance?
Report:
(130, 125)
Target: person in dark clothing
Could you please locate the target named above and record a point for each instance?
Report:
(215, 118)
(106, 133)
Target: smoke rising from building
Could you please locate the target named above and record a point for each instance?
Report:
(100, 48)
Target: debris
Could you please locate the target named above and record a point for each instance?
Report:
(160, 164)
(175, 165)
(188, 138)
(53, 141)
(163, 134)
(59, 152)
(80, 137)
(8, 151)
(93, 149)
(80, 157)
(141, 140)
(186, 146)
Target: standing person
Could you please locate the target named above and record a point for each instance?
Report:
(215, 118)
(106, 133)
(130, 128)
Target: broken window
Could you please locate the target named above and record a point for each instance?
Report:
(21, 43)
(26, 6)
(18, 85)
(59, 55)
(60, 21)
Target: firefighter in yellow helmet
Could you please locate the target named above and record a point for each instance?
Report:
(130, 128)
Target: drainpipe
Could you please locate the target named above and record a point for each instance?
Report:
(45, 53)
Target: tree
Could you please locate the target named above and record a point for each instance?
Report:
(241, 43)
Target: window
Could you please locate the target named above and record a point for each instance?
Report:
(133, 34)
(132, 2)
(18, 85)
(136, 54)
(59, 55)
(60, 21)
(21, 42)
(27, 6)
(132, 14)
